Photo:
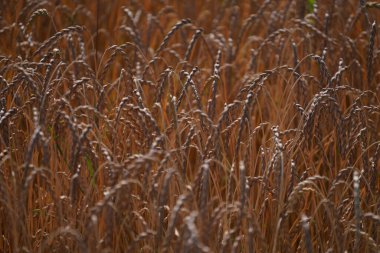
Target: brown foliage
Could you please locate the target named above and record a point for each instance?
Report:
(189, 126)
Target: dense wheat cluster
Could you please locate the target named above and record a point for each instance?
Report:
(189, 126)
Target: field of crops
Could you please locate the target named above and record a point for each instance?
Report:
(189, 126)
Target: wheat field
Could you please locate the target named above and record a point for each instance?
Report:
(189, 126)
